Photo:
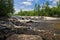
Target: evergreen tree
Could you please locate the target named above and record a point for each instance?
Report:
(38, 8)
(47, 9)
(35, 10)
(42, 10)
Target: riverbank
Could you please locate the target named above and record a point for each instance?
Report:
(14, 25)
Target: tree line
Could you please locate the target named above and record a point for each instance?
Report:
(44, 11)
(6, 9)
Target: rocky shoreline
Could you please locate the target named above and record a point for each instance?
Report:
(8, 28)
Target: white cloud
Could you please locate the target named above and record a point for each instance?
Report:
(27, 9)
(27, 3)
(30, 0)
(55, 1)
(50, 6)
(50, 0)
(16, 11)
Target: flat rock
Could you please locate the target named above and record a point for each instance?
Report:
(24, 37)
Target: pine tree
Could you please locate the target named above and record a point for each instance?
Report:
(38, 8)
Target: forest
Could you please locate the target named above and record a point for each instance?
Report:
(46, 10)
(7, 10)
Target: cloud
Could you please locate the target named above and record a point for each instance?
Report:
(27, 9)
(30, 0)
(16, 10)
(50, 0)
(27, 3)
(50, 6)
(55, 1)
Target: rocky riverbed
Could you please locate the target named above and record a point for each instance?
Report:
(11, 29)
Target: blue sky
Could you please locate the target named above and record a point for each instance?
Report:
(29, 4)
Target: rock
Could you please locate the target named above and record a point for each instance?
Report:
(24, 37)
(30, 21)
(27, 33)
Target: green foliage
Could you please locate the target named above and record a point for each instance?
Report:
(45, 11)
(6, 8)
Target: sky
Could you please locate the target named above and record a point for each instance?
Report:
(27, 5)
